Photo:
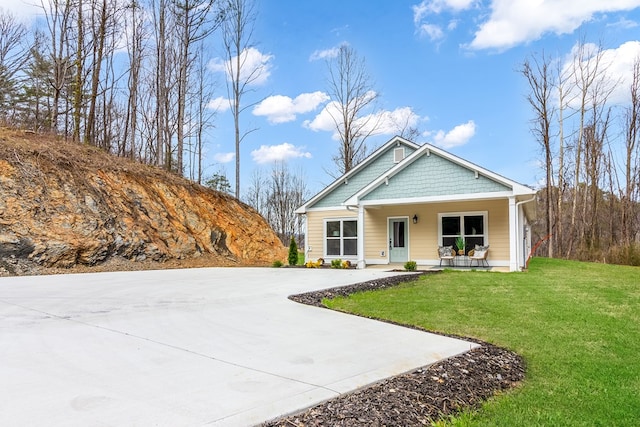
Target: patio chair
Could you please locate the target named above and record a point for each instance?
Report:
(479, 255)
(446, 253)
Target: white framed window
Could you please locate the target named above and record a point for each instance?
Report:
(472, 226)
(341, 237)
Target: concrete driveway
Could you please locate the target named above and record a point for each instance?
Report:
(214, 346)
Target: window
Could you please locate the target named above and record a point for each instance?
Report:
(398, 155)
(341, 237)
(398, 234)
(471, 226)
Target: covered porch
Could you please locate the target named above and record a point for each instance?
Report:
(393, 233)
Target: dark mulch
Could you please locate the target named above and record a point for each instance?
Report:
(420, 397)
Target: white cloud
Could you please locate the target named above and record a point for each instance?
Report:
(425, 12)
(616, 66)
(326, 54)
(255, 67)
(381, 123)
(457, 136)
(513, 22)
(508, 23)
(282, 109)
(324, 120)
(282, 152)
(24, 11)
(224, 157)
(434, 32)
(428, 7)
(394, 122)
(219, 104)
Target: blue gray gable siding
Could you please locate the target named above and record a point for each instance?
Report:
(434, 176)
(361, 179)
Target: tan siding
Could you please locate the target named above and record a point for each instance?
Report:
(315, 229)
(423, 236)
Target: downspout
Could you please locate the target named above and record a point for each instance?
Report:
(518, 204)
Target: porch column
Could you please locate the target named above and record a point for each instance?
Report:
(513, 234)
(361, 261)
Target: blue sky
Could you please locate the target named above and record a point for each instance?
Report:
(450, 66)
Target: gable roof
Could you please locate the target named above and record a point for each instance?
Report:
(487, 182)
(357, 178)
(427, 174)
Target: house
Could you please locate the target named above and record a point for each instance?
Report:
(405, 200)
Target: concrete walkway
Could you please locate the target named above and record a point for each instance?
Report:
(216, 347)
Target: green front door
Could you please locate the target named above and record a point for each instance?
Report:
(398, 240)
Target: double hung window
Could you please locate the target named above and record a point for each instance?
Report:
(341, 237)
(471, 226)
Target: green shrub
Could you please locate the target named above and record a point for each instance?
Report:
(293, 252)
(277, 264)
(336, 263)
(410, 266)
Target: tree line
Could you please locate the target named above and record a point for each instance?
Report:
(127, 77)
(587, 126)
(131, 78)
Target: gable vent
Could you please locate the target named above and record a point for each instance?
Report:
(398, 155)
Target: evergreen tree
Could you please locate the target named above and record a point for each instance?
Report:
(293, 252)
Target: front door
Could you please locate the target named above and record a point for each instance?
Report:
(398, 240)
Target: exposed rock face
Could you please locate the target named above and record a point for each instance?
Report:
(63, 205)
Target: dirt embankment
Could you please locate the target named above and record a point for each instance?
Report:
(65, 205)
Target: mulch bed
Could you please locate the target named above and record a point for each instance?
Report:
(420, 397)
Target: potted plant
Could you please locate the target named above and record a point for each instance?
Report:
(460, 244)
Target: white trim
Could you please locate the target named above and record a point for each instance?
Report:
(485, 222)
(325, 255)
(513, 234)
(398, 154)
(341, 180)
(373, 261)
(360, 242)
(327, 209)
(307, 247)
(432, 199)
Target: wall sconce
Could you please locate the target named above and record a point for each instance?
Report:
(415, 219)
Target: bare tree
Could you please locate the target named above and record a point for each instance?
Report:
(587, 72)
(134, 28)
(564, 77)
(276, 196)
(202, 116)
(237, 35)
(79, 67)
(162, 137)
(257, 194)
(13, 56)
(632, 158)
(538, 75)
(101, 19)
(286, 192)
(193, 24)
(58, 15)
(351, 89)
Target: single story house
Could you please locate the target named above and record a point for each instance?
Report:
(406, 200)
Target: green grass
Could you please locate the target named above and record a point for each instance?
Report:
(577, 325)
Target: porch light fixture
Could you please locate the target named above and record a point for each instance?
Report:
(415, 218)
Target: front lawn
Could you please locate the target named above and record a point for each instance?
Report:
(576, 324)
